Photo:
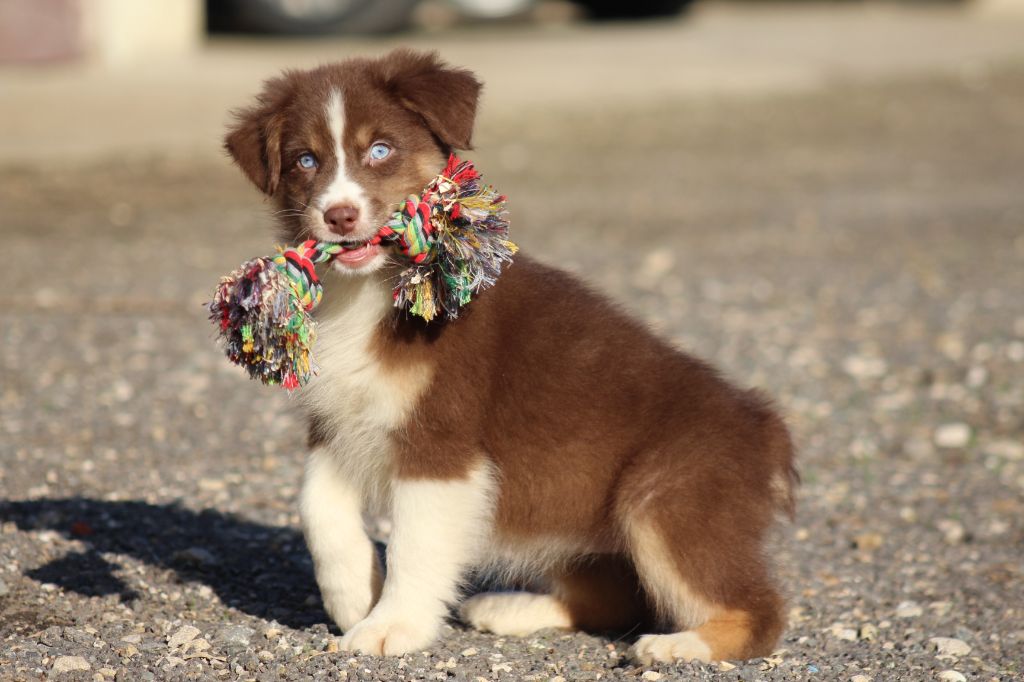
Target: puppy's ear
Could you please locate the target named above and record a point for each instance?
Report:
(254, 141)
(445, 97)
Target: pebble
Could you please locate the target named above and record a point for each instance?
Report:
(1006, 449)
(952, 435)
(236, 634)
(66, 664)
(651, 675)
(471, 651)
(950, 646)
(860, 678)
(840, 631)
(185, 633)
(195, 556)
(868, 541)
(952, 676)
(864, 367)
(909, 609)
(953, 531)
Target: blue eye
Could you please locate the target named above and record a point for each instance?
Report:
(379, 151)
(307, 161)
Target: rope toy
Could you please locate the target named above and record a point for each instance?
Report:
(455, 235)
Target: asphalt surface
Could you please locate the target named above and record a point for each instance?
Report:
(857, 251)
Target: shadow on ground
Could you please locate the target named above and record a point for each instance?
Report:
(265, 571)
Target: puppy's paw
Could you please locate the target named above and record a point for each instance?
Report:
(514, 613)
(348, 608)
(678, 646)
(384, 636)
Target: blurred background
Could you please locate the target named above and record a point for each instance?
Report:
(826, 199)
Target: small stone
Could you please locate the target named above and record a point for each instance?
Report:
(133, 638)
(949, 646)
(953, 531)
(265, 655)
(557, 678)
(471, 651)
(868, 632)
(1006, 449)
(272, 633)
(194, 556)
(952, 435)
(909, 609)
(864, 367)
(67, 664)
(195, 645)
(651, 675)
(860, 678)
(186, 633)
(951, 676)
(236, 634)
(868, 542)
(498, 668)
(840, 631)
(725, 666)
(333, 647)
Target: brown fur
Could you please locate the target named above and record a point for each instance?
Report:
(603, 435)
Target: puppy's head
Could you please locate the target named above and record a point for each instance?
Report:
(341, 146)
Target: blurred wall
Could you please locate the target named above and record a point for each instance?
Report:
(109, 32)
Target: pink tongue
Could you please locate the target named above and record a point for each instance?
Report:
(358, 253)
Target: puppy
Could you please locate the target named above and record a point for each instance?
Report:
(543, 434)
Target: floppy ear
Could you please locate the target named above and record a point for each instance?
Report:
(254, 141)
(445, 97)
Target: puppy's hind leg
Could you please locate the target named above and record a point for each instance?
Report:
(719, 601)
(597, 593)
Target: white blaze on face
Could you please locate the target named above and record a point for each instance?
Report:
(341, 189)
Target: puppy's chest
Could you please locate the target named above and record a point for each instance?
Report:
(358, 399)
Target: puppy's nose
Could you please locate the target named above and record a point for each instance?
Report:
(341, 218)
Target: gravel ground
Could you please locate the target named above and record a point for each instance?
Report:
(858, 252)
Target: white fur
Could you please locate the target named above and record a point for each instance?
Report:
(347, 569)
(515, 613)
(678, 646)
(439, 528)
(359, 400)
(342, 189)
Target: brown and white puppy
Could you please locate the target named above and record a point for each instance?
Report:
(543, 434)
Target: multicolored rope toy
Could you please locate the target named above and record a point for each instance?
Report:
(455, 234)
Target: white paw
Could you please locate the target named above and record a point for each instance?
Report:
(347, 609)
(514, 613)
(678, 646)
(387, 637)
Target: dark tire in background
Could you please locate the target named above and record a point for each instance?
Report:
(632, 9)
(308, 17)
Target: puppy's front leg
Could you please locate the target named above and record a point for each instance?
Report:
(439, 527)
(347, 569)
